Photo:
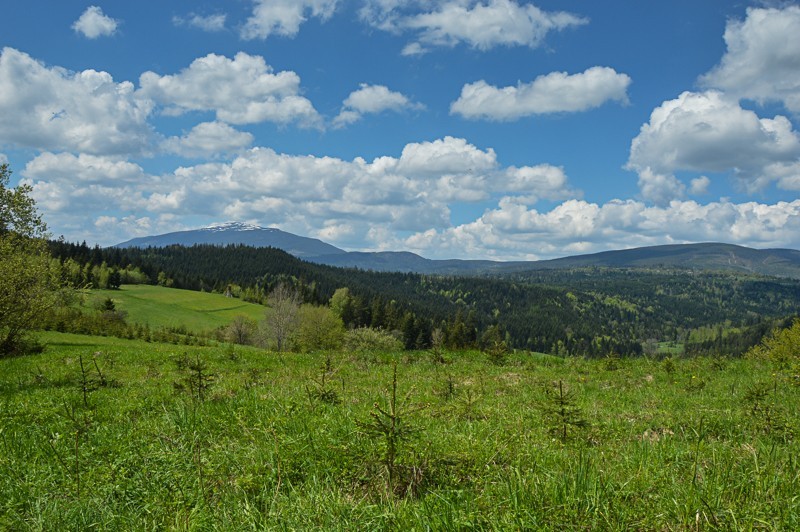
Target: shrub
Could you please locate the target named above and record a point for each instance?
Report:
(365, 339)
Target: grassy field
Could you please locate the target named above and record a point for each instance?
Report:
(157, 306)
(153, 436)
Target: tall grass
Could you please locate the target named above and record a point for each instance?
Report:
(660, 452)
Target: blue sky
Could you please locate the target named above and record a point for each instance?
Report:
(500, 129)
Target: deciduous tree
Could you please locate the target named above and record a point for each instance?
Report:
(241, 330)
(28, 278)
(282, 316)
(319, 328)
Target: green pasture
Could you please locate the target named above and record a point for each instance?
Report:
(109, 434)
(157, 306)
(670, 348)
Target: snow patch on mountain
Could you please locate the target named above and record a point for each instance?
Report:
(236, 226)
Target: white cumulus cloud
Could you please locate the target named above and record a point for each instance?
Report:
(513, 231)
(479, 24)
(532, 183)
(242, 90)
(93, 23)
(447, 156)
(552, 93)
(131, 226)
(284, 17)
(699, 186)
(659, 188)
(210, 23)
(50, 108)
(372, 99)
(208, 139)
(391, 202)
(710, 132)
(762, 61)
(67, 187)
(83, 168)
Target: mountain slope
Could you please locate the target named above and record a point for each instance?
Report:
(708, 256)
(238, 233)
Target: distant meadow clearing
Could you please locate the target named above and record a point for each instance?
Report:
(160, 307)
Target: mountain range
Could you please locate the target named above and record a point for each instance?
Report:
(702, 256)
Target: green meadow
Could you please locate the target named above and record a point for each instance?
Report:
(111, 434)
(157, 306)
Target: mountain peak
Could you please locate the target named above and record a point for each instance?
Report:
(236, 226)
(227, 233)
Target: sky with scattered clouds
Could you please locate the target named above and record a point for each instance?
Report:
(490, 129)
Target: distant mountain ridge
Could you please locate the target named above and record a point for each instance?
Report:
(239, 233)
(702, 256)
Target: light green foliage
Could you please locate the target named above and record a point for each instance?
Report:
(28, 278)
(782, 347)
(288, 325)
(28, 288)
(17, 209)
(163, 280)
(340, 302)
(364, 340)
(320, 328)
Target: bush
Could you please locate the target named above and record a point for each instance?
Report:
(365, 339)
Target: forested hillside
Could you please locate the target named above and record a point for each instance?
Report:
(698, 257)
(584, 311)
